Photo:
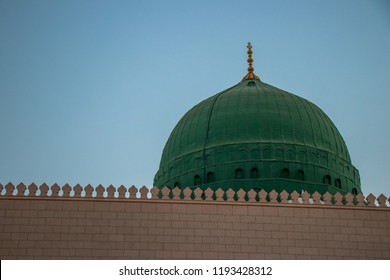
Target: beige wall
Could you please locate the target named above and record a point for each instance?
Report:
(88, 228)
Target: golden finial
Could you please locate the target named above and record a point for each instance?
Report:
(250, 74)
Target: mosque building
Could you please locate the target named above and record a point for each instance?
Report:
(256, 136)
(253, 172)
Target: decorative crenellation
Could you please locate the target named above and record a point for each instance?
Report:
(190, 194)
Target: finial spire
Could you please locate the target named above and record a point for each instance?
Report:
(250, 74)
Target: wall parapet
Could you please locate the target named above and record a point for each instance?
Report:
(190, 194)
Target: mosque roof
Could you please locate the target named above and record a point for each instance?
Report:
(254, 135)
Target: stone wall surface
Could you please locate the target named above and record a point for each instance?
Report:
(43, 227)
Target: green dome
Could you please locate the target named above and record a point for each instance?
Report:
(256, 136)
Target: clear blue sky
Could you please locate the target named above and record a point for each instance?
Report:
(90, 90)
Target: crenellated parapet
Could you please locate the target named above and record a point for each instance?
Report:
(77, 191)
(189, 194)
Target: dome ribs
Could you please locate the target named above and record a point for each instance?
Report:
(288, 131)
